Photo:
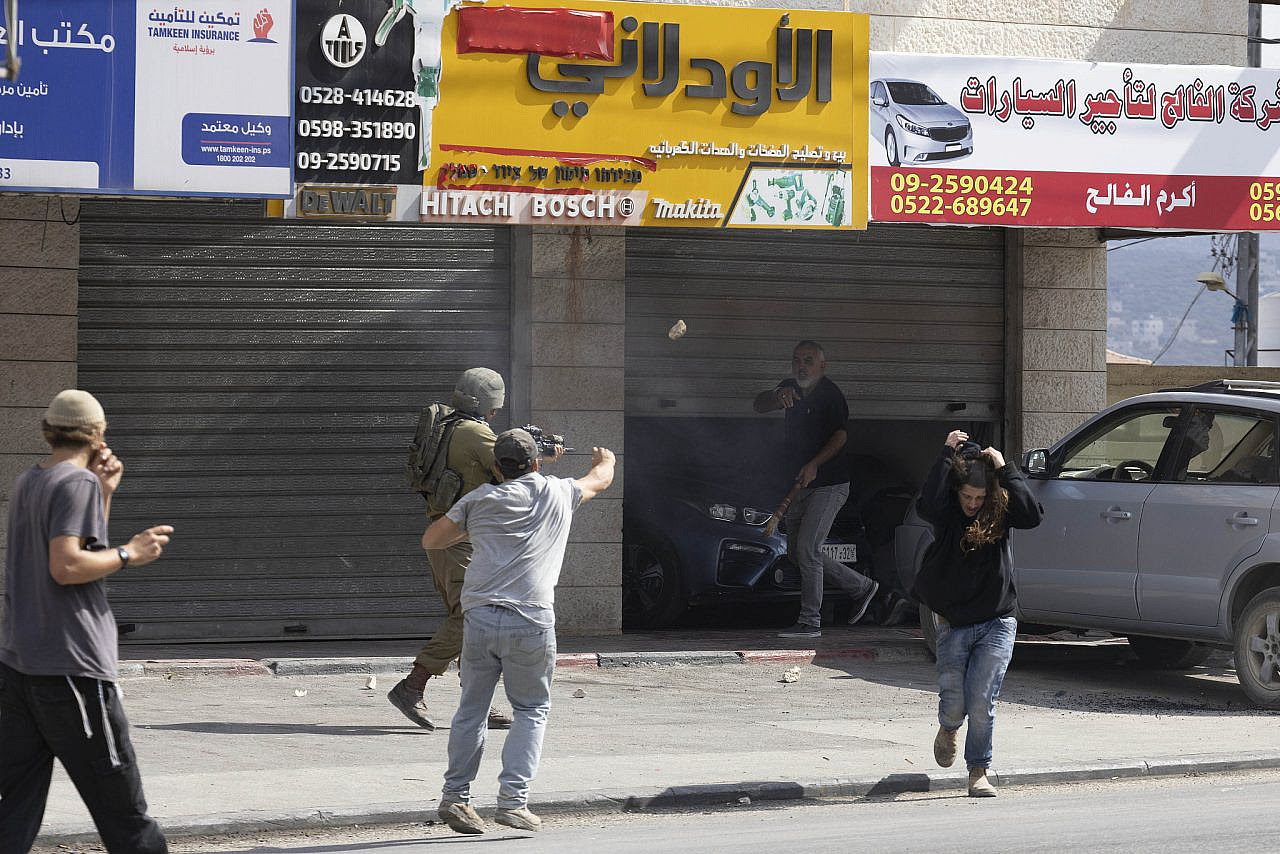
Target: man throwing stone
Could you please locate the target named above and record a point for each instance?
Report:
(519, 528)
(58, 695)
(477, 397)
(815, 417)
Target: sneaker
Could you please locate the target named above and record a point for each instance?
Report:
(461, 818)
(944, 747)
(801, 630)
(498, 720)
(411, 704)
(979, 785)
(900, 614)
(860, 607)
(520, 819)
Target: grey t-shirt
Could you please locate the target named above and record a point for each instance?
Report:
(50, 629)
(518, 530)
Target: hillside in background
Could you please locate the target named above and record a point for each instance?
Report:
(1149, 286)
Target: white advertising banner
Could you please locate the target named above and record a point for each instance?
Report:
(130, 96)
(1023, 142)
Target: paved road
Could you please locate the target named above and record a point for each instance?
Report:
(1220, 814)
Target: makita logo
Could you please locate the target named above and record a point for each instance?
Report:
(690, 209)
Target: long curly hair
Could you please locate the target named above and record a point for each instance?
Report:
(988, 526)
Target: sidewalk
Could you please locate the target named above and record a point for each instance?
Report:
(702, 647)
(257, 750)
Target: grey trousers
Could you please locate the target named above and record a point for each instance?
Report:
(809, 521)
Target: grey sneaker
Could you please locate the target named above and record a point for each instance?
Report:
(801, 630)
(520, 819)
(498, 720)
(460, 817)
(411, 704)
(944, 747)
(860, 607)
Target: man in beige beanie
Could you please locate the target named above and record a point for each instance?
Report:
(58, 645)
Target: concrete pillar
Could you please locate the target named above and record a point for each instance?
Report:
(1056, 307)
(568, 332)
(39, 262)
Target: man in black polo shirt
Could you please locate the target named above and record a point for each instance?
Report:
(815, 415)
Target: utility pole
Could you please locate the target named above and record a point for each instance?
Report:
(1247, 242)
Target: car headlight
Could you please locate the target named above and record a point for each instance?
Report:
(912, 127)
(752, 516)
(723, 512)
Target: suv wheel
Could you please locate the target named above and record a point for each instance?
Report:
(652, 592)
(1257, 649)
(1167, 653)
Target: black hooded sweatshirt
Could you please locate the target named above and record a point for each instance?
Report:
(969, 586)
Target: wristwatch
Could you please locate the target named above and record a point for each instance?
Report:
(124, 556)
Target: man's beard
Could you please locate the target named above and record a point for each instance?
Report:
(806, 383)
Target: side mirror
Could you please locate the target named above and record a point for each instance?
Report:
(880, 101)
(1036, 462)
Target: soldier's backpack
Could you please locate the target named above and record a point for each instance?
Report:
(427, 468)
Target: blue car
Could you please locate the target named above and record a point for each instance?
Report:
(697, 538)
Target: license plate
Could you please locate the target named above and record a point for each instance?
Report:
(954, 146)
(842, 552)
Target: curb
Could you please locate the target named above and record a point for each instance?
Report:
(900, 653)
(693, 796)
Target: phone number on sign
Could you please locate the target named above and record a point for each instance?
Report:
(348, 160)
(932, 194)
(1265, 198)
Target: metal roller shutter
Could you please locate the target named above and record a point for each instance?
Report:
(262, 380)
(911, 317)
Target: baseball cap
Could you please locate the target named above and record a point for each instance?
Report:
(517, 449)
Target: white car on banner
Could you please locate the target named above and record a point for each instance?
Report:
(914, 124)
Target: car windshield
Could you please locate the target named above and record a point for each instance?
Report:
(914, 95)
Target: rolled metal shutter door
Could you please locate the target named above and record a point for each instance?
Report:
(262, 379)
(911, 318)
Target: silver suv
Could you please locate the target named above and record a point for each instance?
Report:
(1160, 524)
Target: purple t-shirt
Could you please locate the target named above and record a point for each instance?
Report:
(49, 629)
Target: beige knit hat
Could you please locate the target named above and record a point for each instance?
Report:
(74, 408)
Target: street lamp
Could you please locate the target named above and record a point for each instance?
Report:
(1239, 316)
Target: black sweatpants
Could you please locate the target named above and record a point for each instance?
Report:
(79, 721)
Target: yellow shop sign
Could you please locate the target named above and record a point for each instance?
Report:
(648, 114)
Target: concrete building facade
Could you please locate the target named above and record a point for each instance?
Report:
(568, 295)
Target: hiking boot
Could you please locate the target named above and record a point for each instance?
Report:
(801, 630)
(460, 817)
(944, 747)
(499, 720)
(860, 606)
(411, 704)
(520, 819)
(979, 785)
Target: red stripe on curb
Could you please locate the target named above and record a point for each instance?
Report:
(806, 656)
(577, 659)
(206, 667)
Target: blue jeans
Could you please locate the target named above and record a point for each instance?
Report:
(971, 665)
(497, 641)
(809, 521)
